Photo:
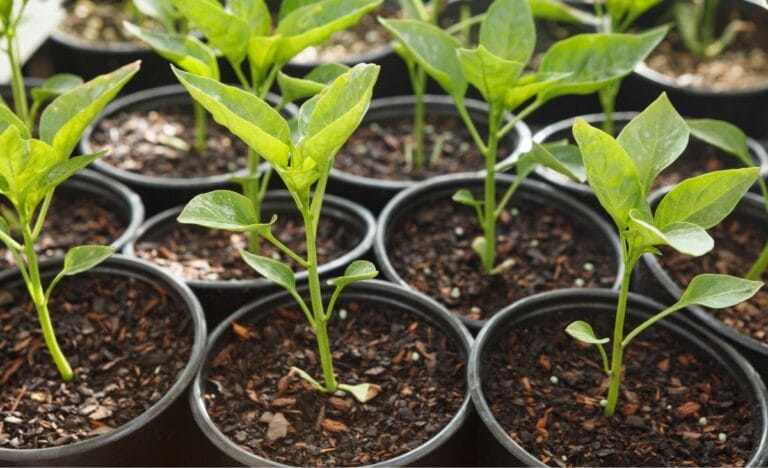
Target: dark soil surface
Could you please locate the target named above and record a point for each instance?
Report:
(666, 390)
(744, 64)
(100, 20)
(698, 159)
(431, 249)
(74, 218)
(377, 149)
(197, 253)
(738, 243)
(127, 341)
(251, 398)
(161, 144)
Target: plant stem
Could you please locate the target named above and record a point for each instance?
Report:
(201, 128)
(489, 225)
(41, 305)
(607, 97)
(419, 85)
(252, 190)
(17, 79)
(756, 272)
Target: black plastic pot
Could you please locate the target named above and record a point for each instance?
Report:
(562, 131)
(160, 193)
(575, 303)
(220, 298)
(656, 282)
(448, 448)
(445, 186)
(375, 193)
(163, 434)
(743, 107)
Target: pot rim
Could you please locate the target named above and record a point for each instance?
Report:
(408, 198)
(117, 47)
(550, 301)
(520, 135)
(281, 199)
(125, 266)
(437, 314)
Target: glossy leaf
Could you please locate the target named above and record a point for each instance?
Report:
(277, 272)
(262, 51)
(63, 170)
(465, 197)
(564, 159)
(723, 136)
(718, 291)
(610, 173)
(490, 74)
(508, 30)
(255, 13)
(83, 258)
(359, 270)
(597, 60)
(292, 89)
(64, 120)
(55, 86)
(186, 51)
(654, 139)
(221, 29)
(583, 332)
(161, 10)
(9, 118)
(530, 85)
(558, 10)
(706, 199)
(414, 9)
(224, 209)
(259, 125)
(686, 238)
(624, 12)
(434, 50)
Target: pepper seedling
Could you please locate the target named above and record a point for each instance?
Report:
(30, 171)
(243, 33)
(302, 156)
(696, 24)
(582, 64)
(621, 172)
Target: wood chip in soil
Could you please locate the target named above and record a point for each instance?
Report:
(377, 149)
(666, 391)
(738, 243)
(431, 249)
(743, 65)
(160, 143)
(196, 253)
(419, 369)
(74, 218)
(126, 339)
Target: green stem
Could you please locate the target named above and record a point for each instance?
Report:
(241, 77)
(532, 107)
(640, 328)
(489, 221)
(465, 24)
(708, 23)
(265, 86)
(508, 195)
(201, 128)
(470, 126)
(419, 85)
(252, 190)
(17, 80)
(41, 215)
(607, 97)
(756, 272)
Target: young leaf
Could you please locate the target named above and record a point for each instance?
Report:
(186, 51)
(9, 118)
(610, 173)
(59, 172)
(161, 10)
(654, 139)
(707, 199)
(292, 89)
(277, 272)
(583, 332)
(414, 9)
(624, 12)
(465, 197)
(531, 85)
(434, 50)
(565, 159)
(686, 238)
(55, 86)
(288, 6)
(718, 291)
(223, 209)
(508, 30)
(65, 119)
(222, 29)
(722, 135)
(358, 270)
(559, 11)
(83, 258)
(259, 125)
(255, 13)
(490, 74)
(597, 60)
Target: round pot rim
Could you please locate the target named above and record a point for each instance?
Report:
(160, 93)
(277, 197)
(127, 266)
(521, 132)
(754, 383)
(452, 326)
(672, 287)
(117, 47)
(404, 198)
(756, 150)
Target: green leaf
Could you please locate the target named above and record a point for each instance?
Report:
(610, 173)
(65, 119)
(705, 200)
(531, 85)
(9, 118)
(161, 10)
(490, 74)
(434, 50)
(358, 270)
(277, 272)
(723, 136)
(261, 55)
(583, 332)
(336, 113)
(187, 52)
(465, 197)
(686, 238)
(83, 258)
(259, 125)
(292, 89)
(718, 291)
(59, 172)
(559, 11)
(565, 159)
(624, 12)
(654, 139)
(288, 6)
(414, 9)
(313, 24)
(508, 30)
(597, 60)
(255, 13)
(55, 86)
(221, 29)
(224, 209)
